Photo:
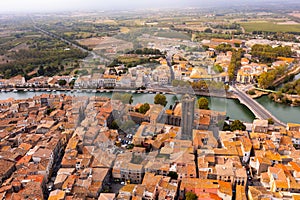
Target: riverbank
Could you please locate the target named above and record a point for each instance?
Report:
(173, 91)
(228, 95)
(233, 108)
(278, 97)
(291, 100)
(257, 94)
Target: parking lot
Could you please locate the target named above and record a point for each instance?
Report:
(125, 139)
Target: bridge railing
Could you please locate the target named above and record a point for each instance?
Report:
(243, 99)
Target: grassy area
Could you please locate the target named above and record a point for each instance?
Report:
(171, 34)
(124, 30)
(270, 27)
(80, 34)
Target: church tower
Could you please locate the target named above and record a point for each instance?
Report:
(187, 116)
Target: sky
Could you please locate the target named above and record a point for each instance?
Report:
(66, 5)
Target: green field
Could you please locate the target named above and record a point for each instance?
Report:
(270, 27)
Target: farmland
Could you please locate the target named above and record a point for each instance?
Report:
(270, 27)
(173, 34)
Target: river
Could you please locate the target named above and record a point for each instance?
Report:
(232, 107)
(283, 112)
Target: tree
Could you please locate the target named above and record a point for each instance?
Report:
(203, 103)
(173, 175)
(114, 125)
(41, 71)
(226, 127)
(237, 45)
(266, 79)
(208, 30)
(144, 108)
(279, 95)
(71, 84)
(191, 196)
(205, 47)
(224, 47)
(62, 82)
(130, 99)
(270, 121)
(218, 68)
(160, 99)
(237, 125)
(50, 110)
(251, 92)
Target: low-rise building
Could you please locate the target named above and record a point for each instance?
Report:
(6, 169)
(204, 188)
(125, 170)
(260, 126)
(17, 81)
(249, 73)
(293, 127)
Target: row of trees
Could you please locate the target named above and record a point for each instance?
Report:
(146, 51)
(280, 36)
(224, 47)
(132, 62)
(267, 54)
(49, 70)
(158, 99)
(202, 102)
(235, 63)
(128, 99)
(291, 88)
(226, 26)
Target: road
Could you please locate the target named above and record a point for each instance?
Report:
(169, 62)
(257, 109)
(91, 53)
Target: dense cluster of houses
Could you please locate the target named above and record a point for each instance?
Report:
(62, 147)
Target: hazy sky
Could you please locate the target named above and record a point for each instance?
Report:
(61, 5)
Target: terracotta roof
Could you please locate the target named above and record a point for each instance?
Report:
(225, 188)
